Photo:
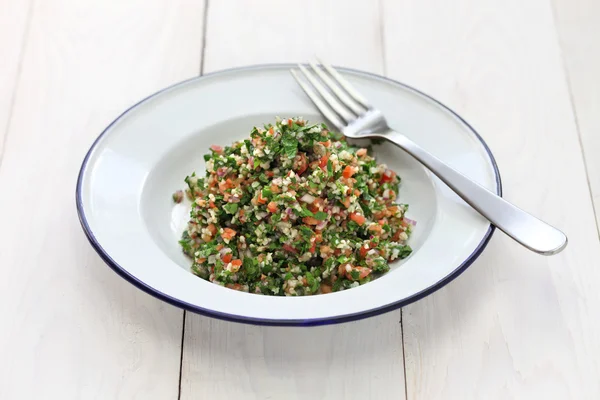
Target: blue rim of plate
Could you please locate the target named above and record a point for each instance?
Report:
(256, 321)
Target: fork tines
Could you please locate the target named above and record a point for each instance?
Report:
(337, 100)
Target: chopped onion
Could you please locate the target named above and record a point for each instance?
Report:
(224, 251)
(284, 225)
(307, 198)
(221, 172)
(411, 221)
(212, 259)
(234, 199)
(321, 225)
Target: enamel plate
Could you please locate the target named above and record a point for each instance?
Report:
(127, 179)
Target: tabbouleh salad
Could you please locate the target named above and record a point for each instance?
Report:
(294, 210)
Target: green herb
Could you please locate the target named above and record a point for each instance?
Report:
(321, 216)
(290, 146)
(306, 212)
(313, 284)
(230, 208)
(306, 232)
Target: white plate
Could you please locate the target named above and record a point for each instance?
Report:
(127, 178)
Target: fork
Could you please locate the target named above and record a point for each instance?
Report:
(352, 114)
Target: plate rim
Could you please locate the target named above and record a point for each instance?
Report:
(276, 322)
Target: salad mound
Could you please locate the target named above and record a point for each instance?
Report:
(294, 210)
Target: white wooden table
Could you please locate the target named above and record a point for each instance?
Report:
(525, 73)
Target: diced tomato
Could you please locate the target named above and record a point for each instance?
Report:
(348, 172)
(396, 236)
(216, 148)
(323, 162)
(271, 131)
(212, 229)
(270, 174)
(211, 204)
(359, 219)
(346, 202)
(378, 214)
(313, 248)
(364, 249)
(317, 203)
(326, 143)
(325, 288)
(310, 221)
(363, 272)
(261, 200)
(275, 189)
(387, 176)
(290, 122)
(227, 258)
(290, 249)
(224, 185)
(272, 207)
(228, 233)
(361, 152)
(375, 228)
(300, 163)
(234, 286)
(236, 263)
(324, 250)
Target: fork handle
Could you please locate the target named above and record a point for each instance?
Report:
(523, 227)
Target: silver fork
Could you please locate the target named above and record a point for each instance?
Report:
(352, 114)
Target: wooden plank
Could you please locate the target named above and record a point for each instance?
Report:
(351, 361)
(14, 19)
(578, 29)
(72, 328)
(515, 324)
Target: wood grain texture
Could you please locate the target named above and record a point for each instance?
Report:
(72, 329)
(14, 18)
(515, 325)
(578, 24)
(359, 360)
